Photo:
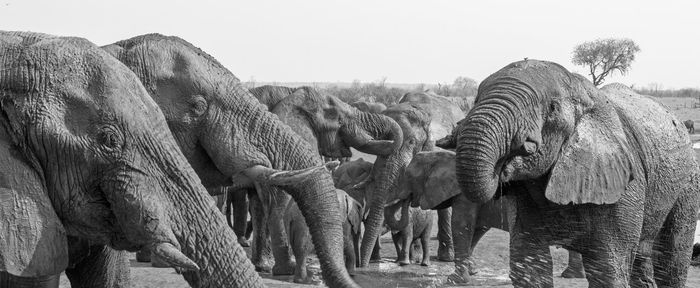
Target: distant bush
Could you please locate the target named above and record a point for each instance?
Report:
(462, 87)
(370, 92)
(685, 92)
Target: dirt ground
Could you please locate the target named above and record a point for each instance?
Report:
(491, 257)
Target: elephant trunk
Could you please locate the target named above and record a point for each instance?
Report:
(373, 133)
(318, 202)
(386, 171)
(205, 237)
(482, 144)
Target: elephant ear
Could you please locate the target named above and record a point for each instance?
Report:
(355, 214)
(441, 183)
(33, 241)
(595, 166)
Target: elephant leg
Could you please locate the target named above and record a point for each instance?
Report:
(415, 251)
(575, 267)
(97, 266)
(478, 233)
(9, 280)
(675, 243)
(530, 263)
(238, 200)
(406, 239)
(606, 267)
(376, 254)
(396, 238)
(356, 247)
(643, 267)
(261, 250)
(424, 241)
(284, 264)
(299, 240)
(446, 250)
(464, 214)
(349, 249)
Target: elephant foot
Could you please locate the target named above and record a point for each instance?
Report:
(573, 273)
(143, 255)
(425, 263)
(263, 266)
(404, 262)
(463, 272)
(284, 268)
(446, 254)
(243, 242)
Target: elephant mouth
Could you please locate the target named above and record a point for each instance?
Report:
(508, 168)
(119, 242)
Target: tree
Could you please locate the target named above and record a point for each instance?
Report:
(605, 56)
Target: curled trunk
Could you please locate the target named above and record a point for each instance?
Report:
(481, 146)
(373, 133)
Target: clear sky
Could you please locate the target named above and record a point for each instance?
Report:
(405, 41)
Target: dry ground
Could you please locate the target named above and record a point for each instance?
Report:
(491, 254)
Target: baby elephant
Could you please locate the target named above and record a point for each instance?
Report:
(300, 239)
(408, 224)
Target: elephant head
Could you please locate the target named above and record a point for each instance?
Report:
(338, 126)
(422, 117)
(230, 138)
(352, 177)
(87, 153)
(536, 120)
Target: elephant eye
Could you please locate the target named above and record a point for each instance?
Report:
(110, 137)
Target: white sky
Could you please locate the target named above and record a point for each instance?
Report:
(405, 41)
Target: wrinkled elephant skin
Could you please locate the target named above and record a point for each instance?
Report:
(598, 171)
(230, 139)
(90, 168)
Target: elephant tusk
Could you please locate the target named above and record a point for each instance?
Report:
(173, 256)
(276, 177)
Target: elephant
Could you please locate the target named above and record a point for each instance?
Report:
(271, 95)
(604, 172)
(352, 177)
(407, 225)
(370, 107)
(422, 116)
(90, 170)
(431, 183)
(690, 125)
(231, 140)
(299, 237)
(293, 106)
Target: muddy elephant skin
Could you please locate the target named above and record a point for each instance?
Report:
(88, 157)
(598, 171)
(230, 138)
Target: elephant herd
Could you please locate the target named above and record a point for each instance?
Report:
(123, 148)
